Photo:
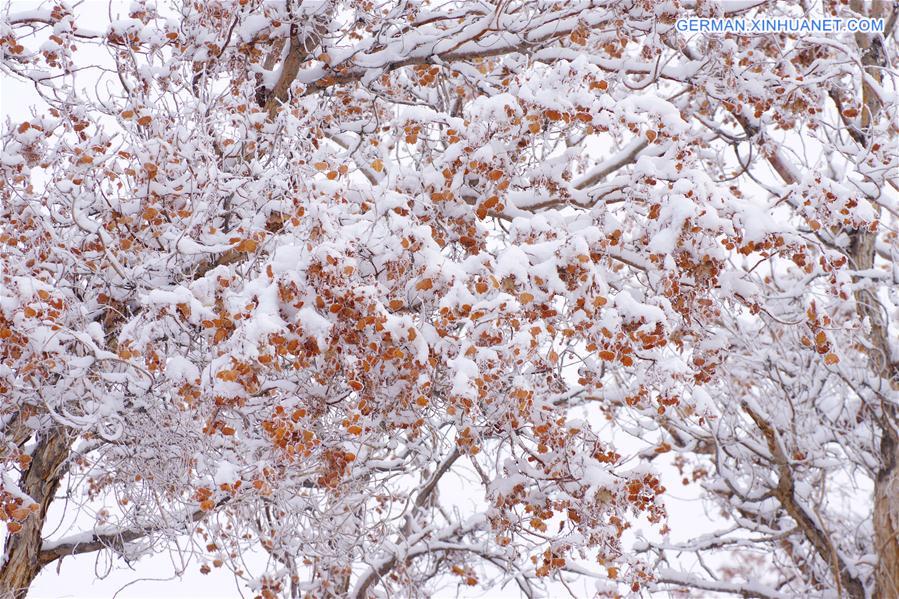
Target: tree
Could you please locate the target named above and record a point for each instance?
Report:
(284, 274)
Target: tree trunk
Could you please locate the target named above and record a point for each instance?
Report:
(886, 521)
(862, 253)
(21, 559)
(886, 483)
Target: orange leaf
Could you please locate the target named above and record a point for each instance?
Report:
(247, 246)
(552, 115)
(227, 375)
(831, 359)
(424, 284)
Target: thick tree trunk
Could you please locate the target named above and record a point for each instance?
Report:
(886, 483)
(862, 253)
(21, 559)
(886, 521)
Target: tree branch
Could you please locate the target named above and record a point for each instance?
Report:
(785, 494)
(87, 543)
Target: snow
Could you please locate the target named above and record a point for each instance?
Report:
(289, 258)
(314, 324)
(512, 261)
(180, 369)
(10, 157)
(499, 108)
(465, 371)
(178, 295)
(123, 26)
(226, 473)
(632, 310)
(665, 241)
(252, 26)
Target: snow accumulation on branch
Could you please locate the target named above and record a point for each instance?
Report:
(413, 298)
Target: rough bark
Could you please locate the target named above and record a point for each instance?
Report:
(886, 483)
(21, 560)
(862, 253)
